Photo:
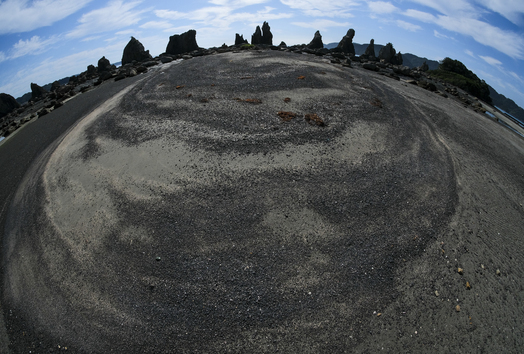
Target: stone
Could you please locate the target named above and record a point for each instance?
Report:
(55, 86)
(166, 59)
(346, 44)
(91, 71)
(369, 66)
(37, 92)
(282, 44)
(316, 43)
(263, 36)
(7, 104)
(182, 43)
(104, 65)
(239, 40)
(370, 50)
(134, 50)
(424, 67)
(389, 55)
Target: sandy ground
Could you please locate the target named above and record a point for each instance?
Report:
(184, 215)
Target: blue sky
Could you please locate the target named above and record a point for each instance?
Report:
(45, 40)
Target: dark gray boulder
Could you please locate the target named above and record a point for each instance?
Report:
(239, 39)
(387, 53)
(346, 44)
(104, 65)
(37, 92)
(182, 43)
(134, 50)
(316, 43)
(370, 50)
(91, 71)
(7, 104)
(263, 36)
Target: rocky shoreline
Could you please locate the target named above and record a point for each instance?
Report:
(136, 61)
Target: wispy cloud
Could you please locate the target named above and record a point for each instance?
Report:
(321, 24)
(470, 53)
(316, 8)
(382, 7)
(33, 46)
(458, 8)
(513, 10)
(114, 16)
(507, 42)
(408, 26)
(441, 36)
(23, 16)
(156, 25)
(491, 61)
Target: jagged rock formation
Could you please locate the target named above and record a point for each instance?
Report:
(370, 50)
(424, 67)
(263, 36)
(182, 43)
(239, 39)
(389, 55)
(104, 65)
(346, 44)
(316, 43)
(134, 50)
(7, 104)
(37, 92)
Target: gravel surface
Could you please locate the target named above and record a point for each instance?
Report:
(184, 214)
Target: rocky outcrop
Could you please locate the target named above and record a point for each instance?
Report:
(370, 50)
(346, 44)
(263, 36)
(389, 55)
(104, 65)
(7, 104)
(37, 92)
(316, 43)
(182, 43)
(134, 50)
(239, 39)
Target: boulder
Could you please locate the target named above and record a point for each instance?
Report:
(37, 92)
(263, 36)
(346, 44)
(182, 43)
(55, 86)
(91, 71)
(424, 67)
(239, 39)
(7, 104)
(389, 55)
(370, 50)
(316, 43)
(134, 50)
(104, 65)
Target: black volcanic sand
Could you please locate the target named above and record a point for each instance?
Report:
(184, 215)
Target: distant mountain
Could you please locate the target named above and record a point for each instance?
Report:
(506, 104)
(410, 60)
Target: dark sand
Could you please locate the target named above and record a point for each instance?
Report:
(194, 219)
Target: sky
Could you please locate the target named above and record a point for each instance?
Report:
(45, 40)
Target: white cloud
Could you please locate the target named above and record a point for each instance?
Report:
(491, 61)
(507, 42)
(3, 57)
(458, 8)
(382, 7)
(441, 36)
(516, 76)
(321, 25)
(470, 53)
(114, 16)
(32, 46)
(510, 9)
(408, 26)
(323, 8)
(23, 16)
(156, 25)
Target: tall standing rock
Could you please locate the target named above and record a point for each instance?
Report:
(37, 92)
(239, 39)
(346, 44)
(387, 53)
(104, 65)
(134, 50)
(7, 104)
(316, 43)
(182, 43)
(370, 50)
(263, 36)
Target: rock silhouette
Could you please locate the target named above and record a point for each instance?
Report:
(37, 92)
(7, 104)
(182, 43)
(239, 39)
(346, 44)
(263, 36)
(316, 43)
(134, 50)
(370, 50)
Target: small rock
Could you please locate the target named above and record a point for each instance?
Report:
(436, 293)
(457, 308)
(468, 285)
(498, 272)
(460, 271)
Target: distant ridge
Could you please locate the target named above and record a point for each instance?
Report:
(506, 104)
